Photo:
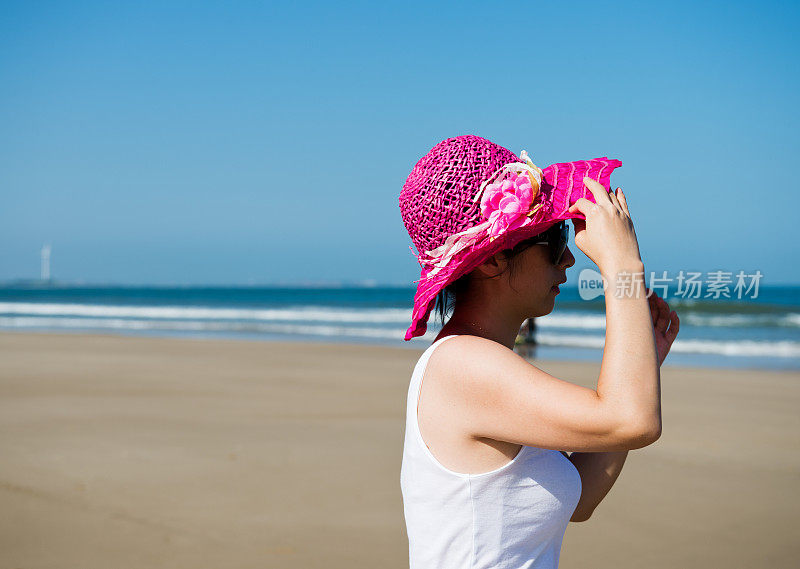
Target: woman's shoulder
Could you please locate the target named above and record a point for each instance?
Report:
(458, 343)
(467, 355)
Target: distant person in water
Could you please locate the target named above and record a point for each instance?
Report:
(530, 331)
(526, 341)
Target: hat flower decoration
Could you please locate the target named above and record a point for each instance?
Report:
(506, 203)
(469, 198)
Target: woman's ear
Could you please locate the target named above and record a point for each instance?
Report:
(493, 266)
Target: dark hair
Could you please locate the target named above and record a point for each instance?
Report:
(446, 298)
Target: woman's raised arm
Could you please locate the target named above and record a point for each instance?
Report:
(494, 393)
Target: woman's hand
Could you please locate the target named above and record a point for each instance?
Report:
(666, 324)
(606, 235)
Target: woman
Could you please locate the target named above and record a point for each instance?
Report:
(485, 477)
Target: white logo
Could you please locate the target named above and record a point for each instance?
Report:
(591, 284)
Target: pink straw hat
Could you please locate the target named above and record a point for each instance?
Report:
(469, 198)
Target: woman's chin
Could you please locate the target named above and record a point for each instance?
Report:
(545, 308)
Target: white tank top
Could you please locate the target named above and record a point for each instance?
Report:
(512, 517)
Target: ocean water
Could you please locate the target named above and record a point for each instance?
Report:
(758, 333)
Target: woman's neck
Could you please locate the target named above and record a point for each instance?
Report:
(501, 330)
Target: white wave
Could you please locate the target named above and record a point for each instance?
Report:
(790, 320)
(311, 313)
(598, 321)
(573, 320)
(289, 314)
(781, 349)
(195, 326)
(571, 340)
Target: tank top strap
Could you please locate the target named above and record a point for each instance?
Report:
(439, 341)
(423, 360)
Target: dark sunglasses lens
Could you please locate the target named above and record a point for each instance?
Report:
(558, 243)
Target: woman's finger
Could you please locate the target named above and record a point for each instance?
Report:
(623, 202)
(615, 201)
(662, 323)
(581, 205)
(600, 194)
(653, 309)
(674, 326)
(579, 225)
(663, 315)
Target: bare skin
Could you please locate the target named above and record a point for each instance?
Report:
(480, 402)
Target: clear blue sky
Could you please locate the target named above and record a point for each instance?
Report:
(251, 142)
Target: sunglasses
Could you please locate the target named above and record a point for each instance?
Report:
(556, 237)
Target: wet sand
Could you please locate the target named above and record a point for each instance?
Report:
(144, 452)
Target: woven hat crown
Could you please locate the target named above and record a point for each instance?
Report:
(437, 199)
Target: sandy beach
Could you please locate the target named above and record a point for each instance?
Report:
(146, 452)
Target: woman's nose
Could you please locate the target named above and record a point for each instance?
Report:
(567, 259)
